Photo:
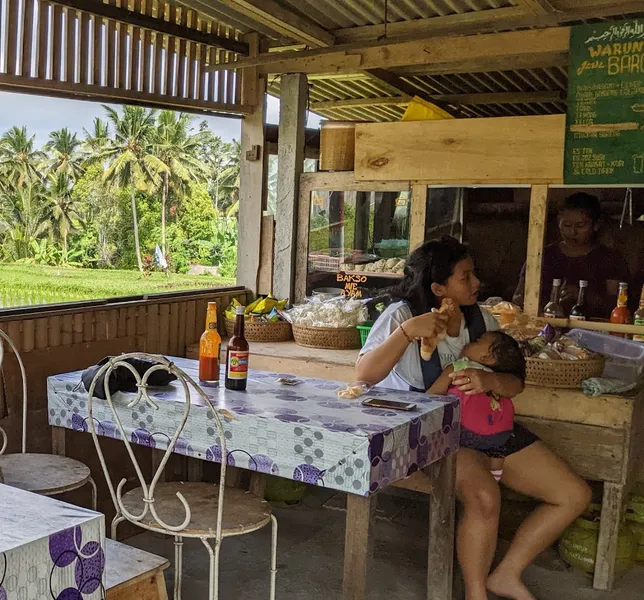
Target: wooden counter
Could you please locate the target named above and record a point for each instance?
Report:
(601, 438)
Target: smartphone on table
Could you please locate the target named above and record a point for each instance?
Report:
(391, 404)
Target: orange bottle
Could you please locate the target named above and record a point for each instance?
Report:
(209, 349)
(621, 315)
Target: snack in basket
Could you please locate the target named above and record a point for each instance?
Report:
(354, 390)
(427, 346)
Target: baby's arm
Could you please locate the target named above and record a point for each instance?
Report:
(443, 383)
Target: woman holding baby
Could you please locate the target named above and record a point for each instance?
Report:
(435, 272)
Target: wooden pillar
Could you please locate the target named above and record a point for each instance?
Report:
(536, 240)
(251, 174)
(418, 215)
(363, 211)
(293, 93)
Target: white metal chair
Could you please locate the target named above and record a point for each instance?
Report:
(45, 474)
(196, 509)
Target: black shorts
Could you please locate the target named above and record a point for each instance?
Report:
(519, 439)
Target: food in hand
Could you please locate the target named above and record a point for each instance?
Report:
(428, 345)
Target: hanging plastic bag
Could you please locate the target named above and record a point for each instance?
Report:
(421, 110)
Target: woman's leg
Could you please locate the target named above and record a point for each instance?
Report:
(478, 527)
(539, 473)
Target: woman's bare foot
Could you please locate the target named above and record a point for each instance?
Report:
(508, 586)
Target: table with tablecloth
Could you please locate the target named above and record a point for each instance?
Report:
(49, 550)
(302, 432)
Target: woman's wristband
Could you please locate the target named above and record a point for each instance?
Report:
(405, 334)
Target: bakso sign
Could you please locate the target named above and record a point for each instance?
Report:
(605, 121)
(352, 284)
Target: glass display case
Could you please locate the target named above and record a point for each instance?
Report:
(358, 241)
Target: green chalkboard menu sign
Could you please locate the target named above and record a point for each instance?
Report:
(605, 123)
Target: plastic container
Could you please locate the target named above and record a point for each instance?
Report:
(364, 329)
(624, 358)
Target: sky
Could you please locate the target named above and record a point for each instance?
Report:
(41, 115)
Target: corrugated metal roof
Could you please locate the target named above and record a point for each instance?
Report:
(334, 14)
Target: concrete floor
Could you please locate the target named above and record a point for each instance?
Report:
(310, 559)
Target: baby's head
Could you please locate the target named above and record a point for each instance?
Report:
(499, 351)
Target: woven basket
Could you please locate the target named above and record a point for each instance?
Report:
(332, 338)
(278, 331)
(562, 373)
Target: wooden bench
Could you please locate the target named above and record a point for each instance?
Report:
(133, 574)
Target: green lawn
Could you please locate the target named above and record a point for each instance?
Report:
(22, 285)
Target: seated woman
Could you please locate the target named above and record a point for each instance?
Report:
(391, 356)
(579, 256)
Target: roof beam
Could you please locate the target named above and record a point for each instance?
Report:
(489, 52)
(283, 21)
(130, 17)
(485, 21)
(467, 99)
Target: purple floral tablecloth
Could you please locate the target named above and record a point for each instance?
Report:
(49, 549)
(304, 432)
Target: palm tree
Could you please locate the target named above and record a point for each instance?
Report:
(178, 149)
(19, 159)
(63, 215)
(64, 156)
(228, 179)
(23, 218)
(96, 140)
(130, 157)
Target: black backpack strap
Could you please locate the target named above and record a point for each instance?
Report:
(432, 368)
(474, 321)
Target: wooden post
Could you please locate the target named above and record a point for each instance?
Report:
(251, 175)
(442, 510)
(418, 215)
(293, 92)
(358, 545)
(536, 240)
(611, 515)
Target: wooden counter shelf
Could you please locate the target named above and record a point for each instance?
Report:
(602, 438)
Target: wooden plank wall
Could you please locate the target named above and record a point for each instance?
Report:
(59, 51)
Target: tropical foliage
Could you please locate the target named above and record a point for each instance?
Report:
(138, 179)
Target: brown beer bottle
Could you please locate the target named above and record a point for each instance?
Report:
(209, 349)
(237, 355)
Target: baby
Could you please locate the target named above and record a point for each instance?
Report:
(487, 420)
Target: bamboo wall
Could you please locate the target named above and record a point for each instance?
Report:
(56, 340)
(52, 49)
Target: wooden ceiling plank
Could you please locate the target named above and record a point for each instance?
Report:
(495, 51)
(282, 21)
(130, 17)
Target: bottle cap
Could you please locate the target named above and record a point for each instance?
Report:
(623, 284)
(556, 282)
(583, 283)
(240, 310)
(212, 305)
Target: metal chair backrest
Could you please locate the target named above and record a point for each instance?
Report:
(3, 436)
(188, 385)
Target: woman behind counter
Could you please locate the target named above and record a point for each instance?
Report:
(580, 256)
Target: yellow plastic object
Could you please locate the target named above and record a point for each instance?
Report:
(421, 110)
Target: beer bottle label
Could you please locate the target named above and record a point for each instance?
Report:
(237, 364)
(577, 318)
